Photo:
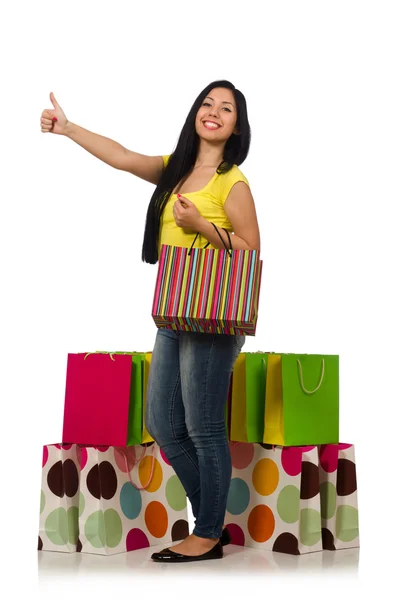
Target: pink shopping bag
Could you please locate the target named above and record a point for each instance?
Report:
(97, 399)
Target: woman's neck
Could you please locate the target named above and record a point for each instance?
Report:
(209, 155)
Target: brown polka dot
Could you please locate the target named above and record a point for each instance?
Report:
(328, 539)
(310, 482)
(346, 481)
(287, 543)
(102, 481)
(55, 479)
(180, 530)
(79, 546)
(108, 479)
(71, 478)
(93, 482)
(40, 544)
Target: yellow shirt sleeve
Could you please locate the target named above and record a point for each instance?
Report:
(166, 158)
(230, 178)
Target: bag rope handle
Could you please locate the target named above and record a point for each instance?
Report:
(236, 444)
(222, 240)
(99, 352)
(301, 377)
(137, 462)
(115, 352)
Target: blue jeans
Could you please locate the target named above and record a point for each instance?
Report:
(185, 414)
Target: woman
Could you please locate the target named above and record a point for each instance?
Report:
(198, 186)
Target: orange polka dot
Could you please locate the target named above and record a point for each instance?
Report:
(265, 476)
(145, 467)
(261, 523)
(156, 519)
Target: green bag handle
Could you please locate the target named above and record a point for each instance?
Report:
(301, 377)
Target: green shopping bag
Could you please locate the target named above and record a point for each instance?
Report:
(302, 399)
(255, 393)
(135, 414)
(248, 397)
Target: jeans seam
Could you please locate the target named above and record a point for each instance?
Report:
(217, 497)
(170, 415)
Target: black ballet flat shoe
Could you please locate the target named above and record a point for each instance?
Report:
(225, 537)
(169, 556)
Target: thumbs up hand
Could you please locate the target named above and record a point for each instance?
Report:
(53, 120)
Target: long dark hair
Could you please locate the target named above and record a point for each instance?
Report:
(183, 159)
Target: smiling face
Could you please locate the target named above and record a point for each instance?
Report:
(220, 108)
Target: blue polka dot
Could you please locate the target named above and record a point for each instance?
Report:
(130, 501)
(239, 496)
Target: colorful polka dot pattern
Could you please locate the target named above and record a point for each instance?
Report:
(274, 498)
(338, 491)
(117, 517)
(59, 498)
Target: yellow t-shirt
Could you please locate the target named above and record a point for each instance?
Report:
(210, 203)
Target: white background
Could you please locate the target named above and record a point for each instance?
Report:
(320, 83)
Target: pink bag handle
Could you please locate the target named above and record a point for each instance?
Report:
(136, 462)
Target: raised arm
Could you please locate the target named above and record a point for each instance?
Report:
(149, 168)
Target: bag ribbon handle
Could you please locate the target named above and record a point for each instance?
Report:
(301, 377)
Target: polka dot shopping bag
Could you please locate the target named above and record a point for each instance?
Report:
(274, 498)
(338, 492)
(130, 498)
(59, 498)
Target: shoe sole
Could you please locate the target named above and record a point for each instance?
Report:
(187, 559)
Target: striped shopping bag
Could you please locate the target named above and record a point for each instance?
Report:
(209, 291)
